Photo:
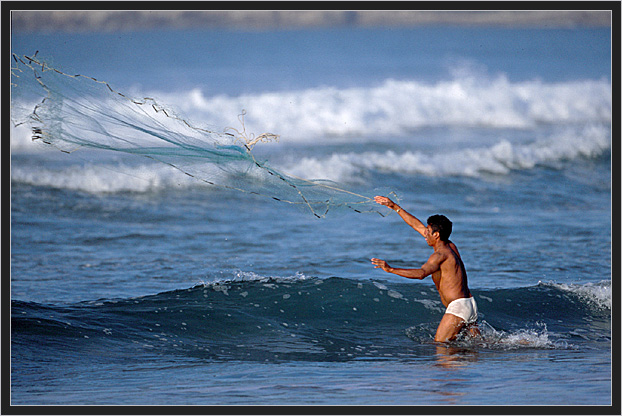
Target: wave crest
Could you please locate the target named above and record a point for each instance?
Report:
(397, 107)
(500, 158)
(597, 295)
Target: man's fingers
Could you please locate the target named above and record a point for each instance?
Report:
(382, 200)
(378, 264)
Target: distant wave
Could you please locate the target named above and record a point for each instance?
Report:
(500, 158)
(398, 107)
(105, 177)
(346, 167)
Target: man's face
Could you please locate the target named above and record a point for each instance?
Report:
(430, 236)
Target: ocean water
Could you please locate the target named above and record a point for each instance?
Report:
(133, 284)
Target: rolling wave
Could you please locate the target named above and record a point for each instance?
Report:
(501, 158)
(397, 107)
(393, 108)
(302, 318)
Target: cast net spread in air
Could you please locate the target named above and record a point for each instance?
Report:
(77, 112)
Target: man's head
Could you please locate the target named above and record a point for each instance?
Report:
(440, 224)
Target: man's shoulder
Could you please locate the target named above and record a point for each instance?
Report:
(448, 251)
(453, 247)
(442, 254)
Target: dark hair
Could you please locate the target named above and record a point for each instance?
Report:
(440, 224)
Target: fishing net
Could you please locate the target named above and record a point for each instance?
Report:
(76, 113)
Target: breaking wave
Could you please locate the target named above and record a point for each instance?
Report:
(396, 108)
(301, 318)
(499, 159)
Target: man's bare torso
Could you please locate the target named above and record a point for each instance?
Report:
(451, 279)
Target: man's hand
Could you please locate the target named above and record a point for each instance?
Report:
(383, 200)
(381, 264)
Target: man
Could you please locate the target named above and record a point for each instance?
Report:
(447, 270)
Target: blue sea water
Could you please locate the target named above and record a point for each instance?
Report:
(132, 284)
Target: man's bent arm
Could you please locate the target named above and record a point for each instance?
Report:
(408, 273)
(419, 274)
(410, 219)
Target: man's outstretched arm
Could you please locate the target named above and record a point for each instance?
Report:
(407, 217)
(432, 265)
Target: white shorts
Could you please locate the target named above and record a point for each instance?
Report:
(464, 308)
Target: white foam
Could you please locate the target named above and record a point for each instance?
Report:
(397, 107)
(501, 158)
(594, 294)
(524, 338)
(471, 161)
(102, 178)
(246, 276)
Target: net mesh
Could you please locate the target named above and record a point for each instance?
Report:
(77, 113)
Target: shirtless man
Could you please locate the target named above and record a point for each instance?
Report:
(447, 270)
